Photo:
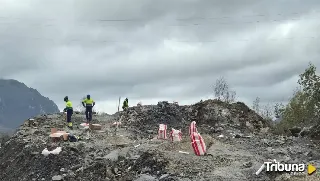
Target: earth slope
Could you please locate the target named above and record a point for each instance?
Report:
(133, 153)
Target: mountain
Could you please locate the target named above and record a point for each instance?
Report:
(19, 102)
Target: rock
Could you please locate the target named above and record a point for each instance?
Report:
(145, 177)
(150, 131)
(163, 177)
(238, 136)
(305, 131)
(247, 164)
(219, 129)
(295, 131)
(76, 167)
(57, 177)
(113, 156)
(280, 142)
(34, 153)
(283, 177)
(115, 171)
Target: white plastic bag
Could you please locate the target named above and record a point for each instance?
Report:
(56, 151)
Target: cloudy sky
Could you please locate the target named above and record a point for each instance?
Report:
(158, 50)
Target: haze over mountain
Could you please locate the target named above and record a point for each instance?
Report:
(19, 102)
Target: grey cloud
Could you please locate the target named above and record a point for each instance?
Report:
(155, 48)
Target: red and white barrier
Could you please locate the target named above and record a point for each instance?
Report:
(193, 128)
(198, 144)
(162, 133)
(175, 135)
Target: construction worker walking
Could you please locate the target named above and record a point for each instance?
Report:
(88, 103)
(125, 104)
(69, 110)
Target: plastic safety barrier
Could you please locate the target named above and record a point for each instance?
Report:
(162, 132)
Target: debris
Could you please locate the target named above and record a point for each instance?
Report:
(164, 176)
(145, 177)
(56, 151)
(184, 152)
(107, 157)
(85, 125)
(113, 156)
(260, 169)
(57, 177)
(247, 164)
(95, 126)
(116, 124)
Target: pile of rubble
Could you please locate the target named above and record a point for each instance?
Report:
(211, 116)
(237, 143)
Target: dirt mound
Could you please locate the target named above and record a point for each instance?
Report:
(210, 115)
(133, 153)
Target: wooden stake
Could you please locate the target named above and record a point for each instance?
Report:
(119, 104)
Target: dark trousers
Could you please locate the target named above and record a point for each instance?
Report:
(69, 115)
(89, 113)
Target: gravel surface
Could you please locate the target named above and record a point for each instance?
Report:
(132, 152)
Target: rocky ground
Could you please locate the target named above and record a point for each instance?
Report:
(238, 142)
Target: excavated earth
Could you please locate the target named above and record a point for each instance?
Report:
(238, 142)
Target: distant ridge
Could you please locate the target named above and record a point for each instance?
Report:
(19, 102)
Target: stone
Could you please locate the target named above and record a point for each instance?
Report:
(164, 176)
(144, 177)
(295, 131)
(113, 155)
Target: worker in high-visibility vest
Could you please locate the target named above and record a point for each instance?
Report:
(69, 110)
(88, 103)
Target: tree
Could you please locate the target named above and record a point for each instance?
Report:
(256, 105)
(303, 106)
(222, 92)
(220, 88)
(297, 110)
(310, 83)
(266, 112)
(278, 110)
(229, 96)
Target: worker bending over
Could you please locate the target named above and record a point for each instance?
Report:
(125, 104)
(88, 103)
(69, 110)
